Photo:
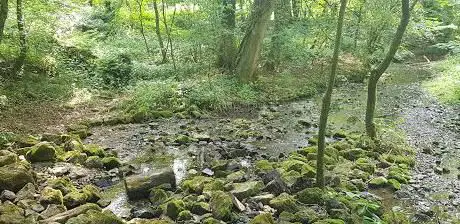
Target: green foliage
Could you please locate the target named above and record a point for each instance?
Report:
(446, 84)
(116, 71)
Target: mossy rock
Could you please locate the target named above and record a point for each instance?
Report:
(42, 152)
(13, 214)
(111, 163)
(284, 202)
(264, 218)
(247, 189)
(96, 217)
(353, 154)
(94, 150)
(15, 176)
(365, 165)
(174, 207)
(401, 159)
(264, 166)
(378, 182)
(359, 174)
(312, 196)
(74, 145)
(92, 192)
(158, 196)
(27, 141)
(200, 208)
(342, 145)
(214, 185)
(94, 162)
(306, 215)
(74, 199)
(75, 156)
(237, 176)
(184, 139)
(51, 196)
(211, 220)
(399, 174)
(291, 177)
(330, 221)
(79, 130)
(196, 184)
(395, 185)
(221, 205)
(302, 167)
(184, 216)
(7, 158)
(287, 217)
(63, 184)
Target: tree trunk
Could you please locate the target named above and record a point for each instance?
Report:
(3, 16)
(19, 64)
(358, 25)
(141, 20)
(251, 44)
(164, 51)
(227, 48)
(327, 99)
(382, 67)
(282, 17)
(168, 31)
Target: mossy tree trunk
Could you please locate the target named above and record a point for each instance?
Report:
(382, 67)
(19, 64)
(163, 49)
(3, 16)
(326, 104)
(227, 48)
(282, 18)
(251, 44)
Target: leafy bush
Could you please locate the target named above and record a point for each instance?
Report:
(115, 72)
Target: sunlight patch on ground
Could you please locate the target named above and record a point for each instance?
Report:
(79, 97)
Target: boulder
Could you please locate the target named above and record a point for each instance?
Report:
(200, 208)
(7, 157)
(264, 218)
(111, 163)
(94, 162)
(27, 192)
(95, 217)
(63, 217)
(7, 196)
(74, 199)
(52, 210)
(284, 202)
(221, 205)
(174, 207)
(13, 214)
(92, 192)
(42, 152)
(378, 182)
(247, 189)
(51, 196)
(15, 176)
(184, 215)
(138, 187)
(62, 184)
(311, 196)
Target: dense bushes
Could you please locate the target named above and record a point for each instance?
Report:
(115, 71)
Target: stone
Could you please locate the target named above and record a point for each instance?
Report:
(12, 214)
(92, 192)
(236, 177)
(221, 205)
(353, 154)
(311, 196)
(145, 213)
(95, 217)
(27, 192)
(51, 196)
(284, 202)
(195, 184)
(139, 186)
(64, 216)
(264, 199)
(264, 218)
(378, 182)
(75, 157)
(208, 172)
(93, 150)
(74, 199)
(7, 158)
(237, 204)
(62, 184)
(174, 207)
(15, 176)
(94, 162)
(157, 196)
(7, 196)
(42, 152)
(438, 170)
(111, 162)
(59, 170)
(184, 215)
(52, 210)
(247, 189)
(276, 186)
(200, 208)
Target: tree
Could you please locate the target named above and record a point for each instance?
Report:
(282, 17)
(140, 3)
(19, 64)
(327, 99)
(3, 16)
(382, 67)
(168, 31)
(227, 48)
(251, 44)
(163, 49)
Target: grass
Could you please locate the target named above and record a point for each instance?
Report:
(446, 85)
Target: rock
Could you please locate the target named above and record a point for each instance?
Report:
(284, 202)
(7, 196)
(92, 192)
(75, 156)
(59, 170)
(221, 205)
(27, 192)
(184, 215)
(51, 196)
(111, 163)
(394, 184)
(30, 204)
(145, 213)
(208, 172)
(330, 221)
(264, 199)
(237, 204)
(93, 150)
(94, 162)
(52, 210)
(63, 217)
(42, 152)
(174, 207)
(95, 217)
(138, 187)
(378, 182)
(353, 154)
(200, 208)
(12, 214)
(80, 130)
(74, 199)
(62, 184)
(15, 176)
(264, 218)
(184, 139)
(7, 158)
(247, 189)
(158, 196)
(311, 196)
(276, 186)
(236, 177)
(196, 184)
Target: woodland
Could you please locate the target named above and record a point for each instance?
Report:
(229, 111)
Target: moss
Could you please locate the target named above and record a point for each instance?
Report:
(284, 202)
(158, 196)
(263, 166)
(299, 166)
(365, 165)
(291, 177)
(94, 162)
(185, 215)
(264, 218)
(74, 144)
(42, 152)
(92, 192)
(221, 205)
(196, 184)
(174, 207)
(63, 184)
(247, 189)
(7, 157)
(12, 214)
(74, 156)
(287, 217)
(74, 199)
(342, 145)
(184, 139)
(111, 163)
(330, 221)
(395, 185)
(14, 176)
(214, 185)
(378, 182)
(353, 154)
(236, 176)
(94, 150)
(306, 215)
(200, 208)
(95, 217)
(51, 196)
(311, 196)
(211, 220)
(401, 159)
(398, 174)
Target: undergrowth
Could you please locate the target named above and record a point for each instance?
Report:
(446, 84)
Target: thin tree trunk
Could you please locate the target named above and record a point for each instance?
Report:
(282, 17)
(358, 25)
(327, 99)
(164, 51)
(141, 20)
(227, 48)
(168, 31)
(377, 73)
(251, 44)
(3, 16)
(19, 64)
